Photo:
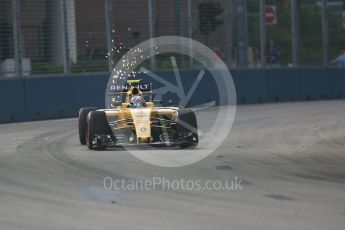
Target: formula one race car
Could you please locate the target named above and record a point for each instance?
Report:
(136, 120)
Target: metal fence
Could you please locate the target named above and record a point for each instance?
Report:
(40, 37)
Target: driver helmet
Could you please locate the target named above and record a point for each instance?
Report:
(137, 101)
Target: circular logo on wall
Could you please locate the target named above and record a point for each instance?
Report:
(181, 106)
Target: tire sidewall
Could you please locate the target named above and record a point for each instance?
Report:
(82, 123)
(187, 116)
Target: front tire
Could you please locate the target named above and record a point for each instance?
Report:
(83, 112)
(97, 125)
(187, 128)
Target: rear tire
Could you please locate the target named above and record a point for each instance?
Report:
(97, 124)
(187, 124)
(83, 112)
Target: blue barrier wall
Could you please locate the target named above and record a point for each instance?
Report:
(12, 101)
(57, 97)
(252, 86)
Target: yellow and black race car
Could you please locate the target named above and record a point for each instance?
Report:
(136, 120)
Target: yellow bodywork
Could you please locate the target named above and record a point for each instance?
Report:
(138, 119)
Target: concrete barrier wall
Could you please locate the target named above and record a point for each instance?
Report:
(58, 97)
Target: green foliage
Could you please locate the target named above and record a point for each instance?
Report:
(310, 34)
(336, 34)
(310, 31)
(278, 34)
(86, 66)
(45, 68)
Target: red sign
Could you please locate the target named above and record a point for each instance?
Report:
(271, 15)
